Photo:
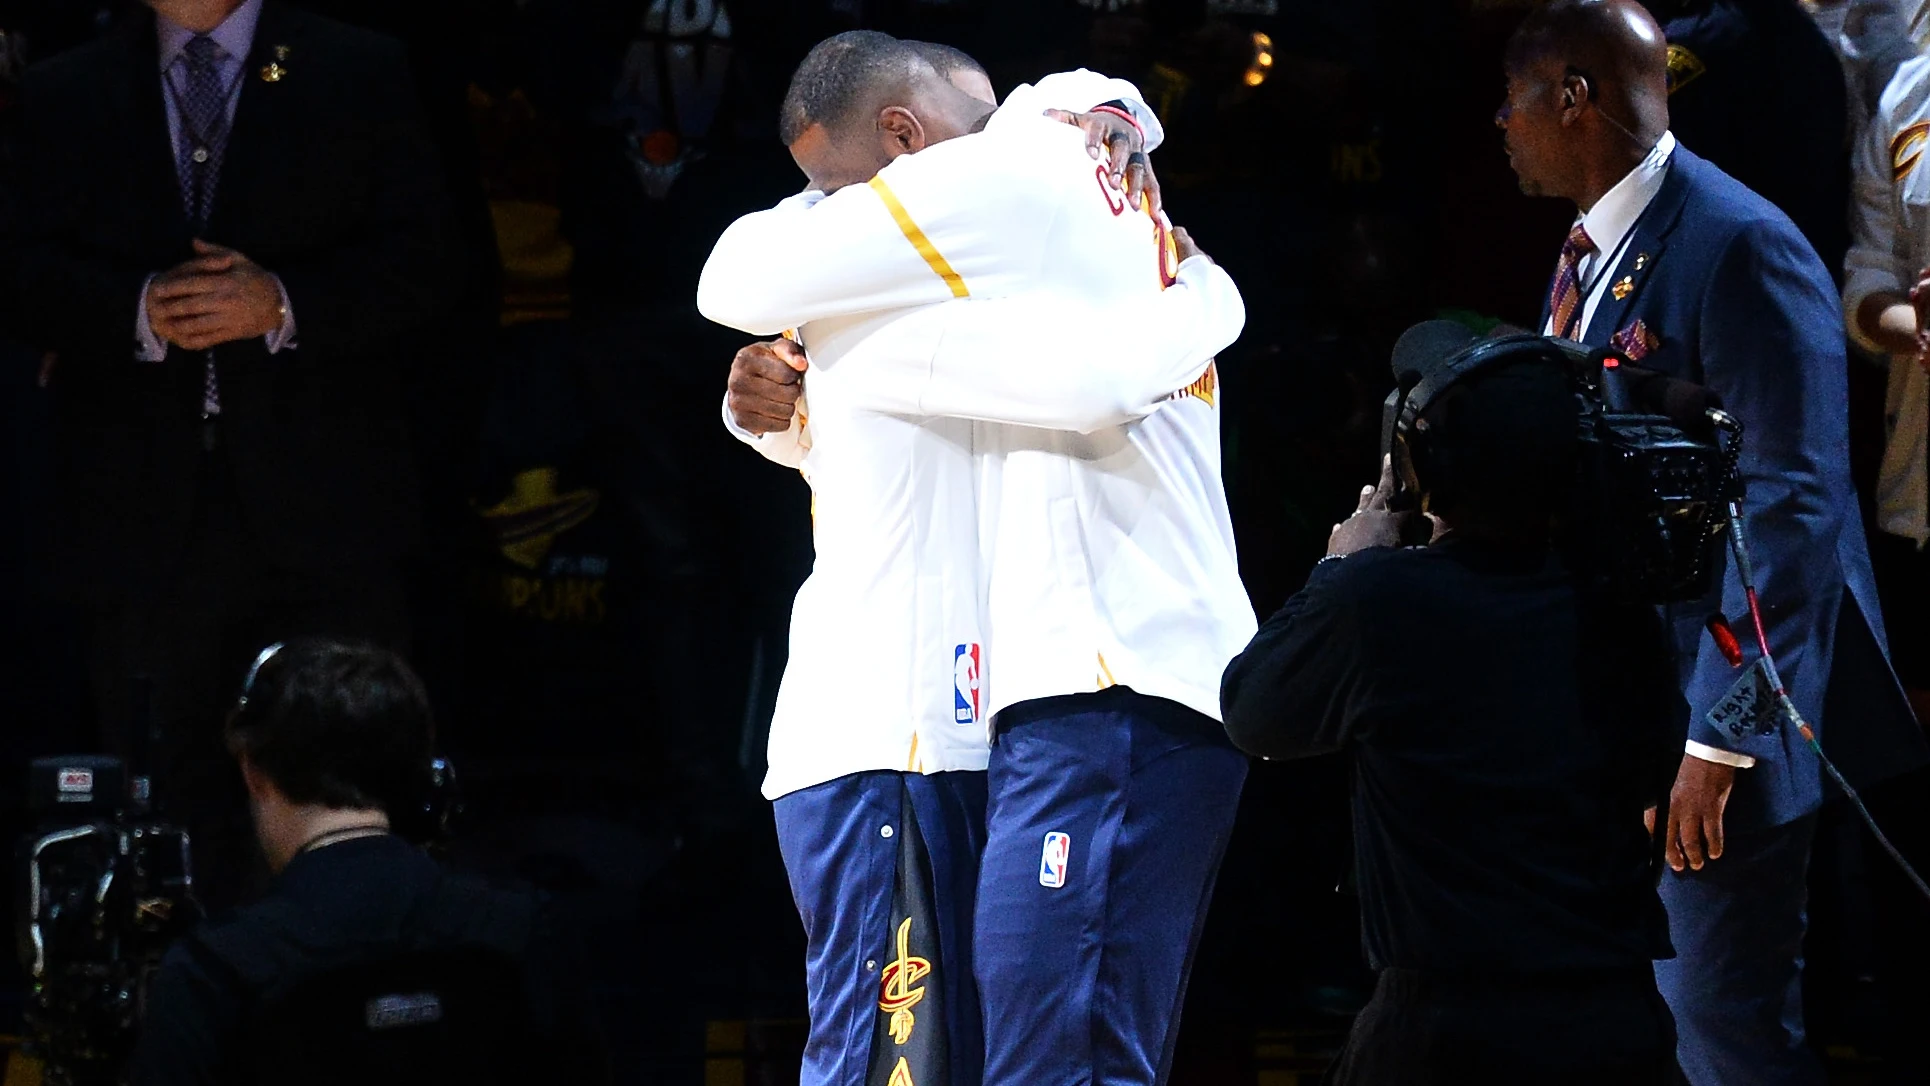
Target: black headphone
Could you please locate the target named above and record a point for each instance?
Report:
(1407, 435)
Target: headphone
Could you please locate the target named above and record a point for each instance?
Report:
(1408, 435)
(254, 669)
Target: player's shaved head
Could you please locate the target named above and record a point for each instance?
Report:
(846, 79)
(862, 98)
(1587, 95)
(960, 68)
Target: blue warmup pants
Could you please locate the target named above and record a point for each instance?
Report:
(1082, 981)
(840, 850)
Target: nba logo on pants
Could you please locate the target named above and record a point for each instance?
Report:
(1058, 855)
(965, 684)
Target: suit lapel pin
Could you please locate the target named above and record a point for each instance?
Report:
(1641, 261)
(1621, 288)
(275, 71)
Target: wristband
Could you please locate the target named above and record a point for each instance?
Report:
(1122, 112)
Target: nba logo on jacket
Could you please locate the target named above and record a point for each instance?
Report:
(1058, 856)
(965, 696)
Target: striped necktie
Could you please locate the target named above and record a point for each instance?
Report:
(1565, 302)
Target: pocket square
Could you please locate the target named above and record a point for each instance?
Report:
(1635, 341)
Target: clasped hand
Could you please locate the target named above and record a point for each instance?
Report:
(220, 296)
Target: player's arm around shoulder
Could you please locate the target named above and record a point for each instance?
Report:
(1203, 306)
(1168, 344)
(1051, 359)
(1080, 91)
(977, 210)
(810, 258)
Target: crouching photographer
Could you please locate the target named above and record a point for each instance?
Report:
(365, 962)
(1509, 723)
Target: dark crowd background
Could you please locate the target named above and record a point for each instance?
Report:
(600, 603)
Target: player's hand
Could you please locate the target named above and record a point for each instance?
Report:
(1373, 523)
(1696, 803)
(1120, 144)
(766, 380)
(1184, 244)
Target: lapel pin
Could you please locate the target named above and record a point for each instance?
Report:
(1641, 261)
(275, 71)
(1622, 288)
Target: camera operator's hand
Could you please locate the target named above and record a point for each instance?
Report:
(1373, 523)
(1696, 804)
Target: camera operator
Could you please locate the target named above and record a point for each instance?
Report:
(1507, 735)
(364, 962)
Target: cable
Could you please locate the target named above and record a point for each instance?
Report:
(1868, 819)
(1788, 707)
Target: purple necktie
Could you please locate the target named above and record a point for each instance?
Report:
(203, 104)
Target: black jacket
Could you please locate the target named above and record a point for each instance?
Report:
(327, 182)
(1506, 736)
(283, 991)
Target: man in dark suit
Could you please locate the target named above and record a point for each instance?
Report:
(1689, 272)
(221, 217)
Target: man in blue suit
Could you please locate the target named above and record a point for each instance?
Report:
(1683, 268)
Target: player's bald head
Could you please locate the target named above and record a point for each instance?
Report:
(862, 98)
(1615, 44)
(959, 68)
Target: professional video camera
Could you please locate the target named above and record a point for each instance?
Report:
(104, 890)
(1657, 467)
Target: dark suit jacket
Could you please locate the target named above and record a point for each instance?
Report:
(1751, 62)
(1735, 298)
(327, 182)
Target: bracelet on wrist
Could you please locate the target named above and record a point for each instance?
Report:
(1123, 114)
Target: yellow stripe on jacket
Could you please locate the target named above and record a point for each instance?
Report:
(918, 239)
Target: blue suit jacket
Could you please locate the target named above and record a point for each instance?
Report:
(1731, 296)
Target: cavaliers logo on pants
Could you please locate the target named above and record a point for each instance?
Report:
(908, 1045)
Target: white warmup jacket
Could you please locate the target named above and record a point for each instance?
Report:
(888, 666)
(1890, 246)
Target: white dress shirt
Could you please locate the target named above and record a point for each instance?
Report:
(1608, 224)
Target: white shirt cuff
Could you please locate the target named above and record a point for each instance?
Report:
(1719, 756)
(283, 338)
(736, 431)
(147, 346)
